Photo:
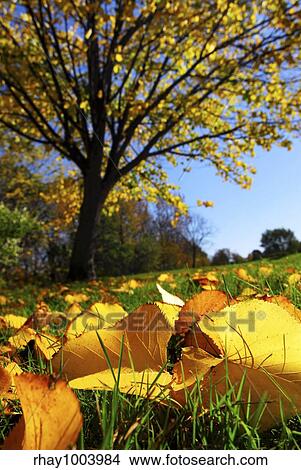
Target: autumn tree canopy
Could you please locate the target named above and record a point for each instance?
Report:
(116, 86)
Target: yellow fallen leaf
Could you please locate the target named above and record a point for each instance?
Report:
(145, 333)
(51, 415)
(74, 309)
(47, 344)
(128, 286)
(99, 315)
(76, 298)
(147, 383)
(258, 333)
(265, 270)
(286, 304)
(13, 321)
(242, 274)
(170, 312)
(255, 385)
(246, 292)
(294, 279)
(165, 277)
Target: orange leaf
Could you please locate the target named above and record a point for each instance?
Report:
(5, 380)
(51, 415)
(198, 306)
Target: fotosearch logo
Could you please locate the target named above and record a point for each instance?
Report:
(233, 320)
(152, 320)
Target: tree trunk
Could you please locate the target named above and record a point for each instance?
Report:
(82, 258)
(193, 255)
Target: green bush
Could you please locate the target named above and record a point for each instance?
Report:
(15, 225)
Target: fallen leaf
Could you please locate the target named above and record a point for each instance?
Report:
(98, 316)
(242, 274)
(286, 304)
(207, 281)
(170, 312)
(250, 387)
(144, 335)
(3, 300)
(51, 415)
(265, 270)
(198, 306)
(294, 279)
(147, 383)
(256, 333)
(13, 321)
(169, 298)
(128, 286)
(5, 380)
(74, 309)
(247, 292)
(47, 344)
(76, 298)
(165, 277)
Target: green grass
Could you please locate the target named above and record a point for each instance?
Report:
(116, 421)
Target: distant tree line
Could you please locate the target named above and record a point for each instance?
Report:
(274, 243)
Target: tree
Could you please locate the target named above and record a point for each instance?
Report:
(222, 256)
(255, 255)
(114, 86)
(197, 231)
(279, 241)
(237, 258)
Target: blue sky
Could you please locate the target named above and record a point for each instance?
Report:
(240, 216)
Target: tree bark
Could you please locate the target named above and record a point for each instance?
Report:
(193, 254)
(82, 258)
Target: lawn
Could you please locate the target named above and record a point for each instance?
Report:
(116, 420)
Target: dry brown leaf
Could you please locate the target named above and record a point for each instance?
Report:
(198, 306)
(51, 415)
(5, 380)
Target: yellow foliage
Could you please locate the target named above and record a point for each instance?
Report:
(44, 402)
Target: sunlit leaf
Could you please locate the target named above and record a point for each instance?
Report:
(51, 415)
(169, 298)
